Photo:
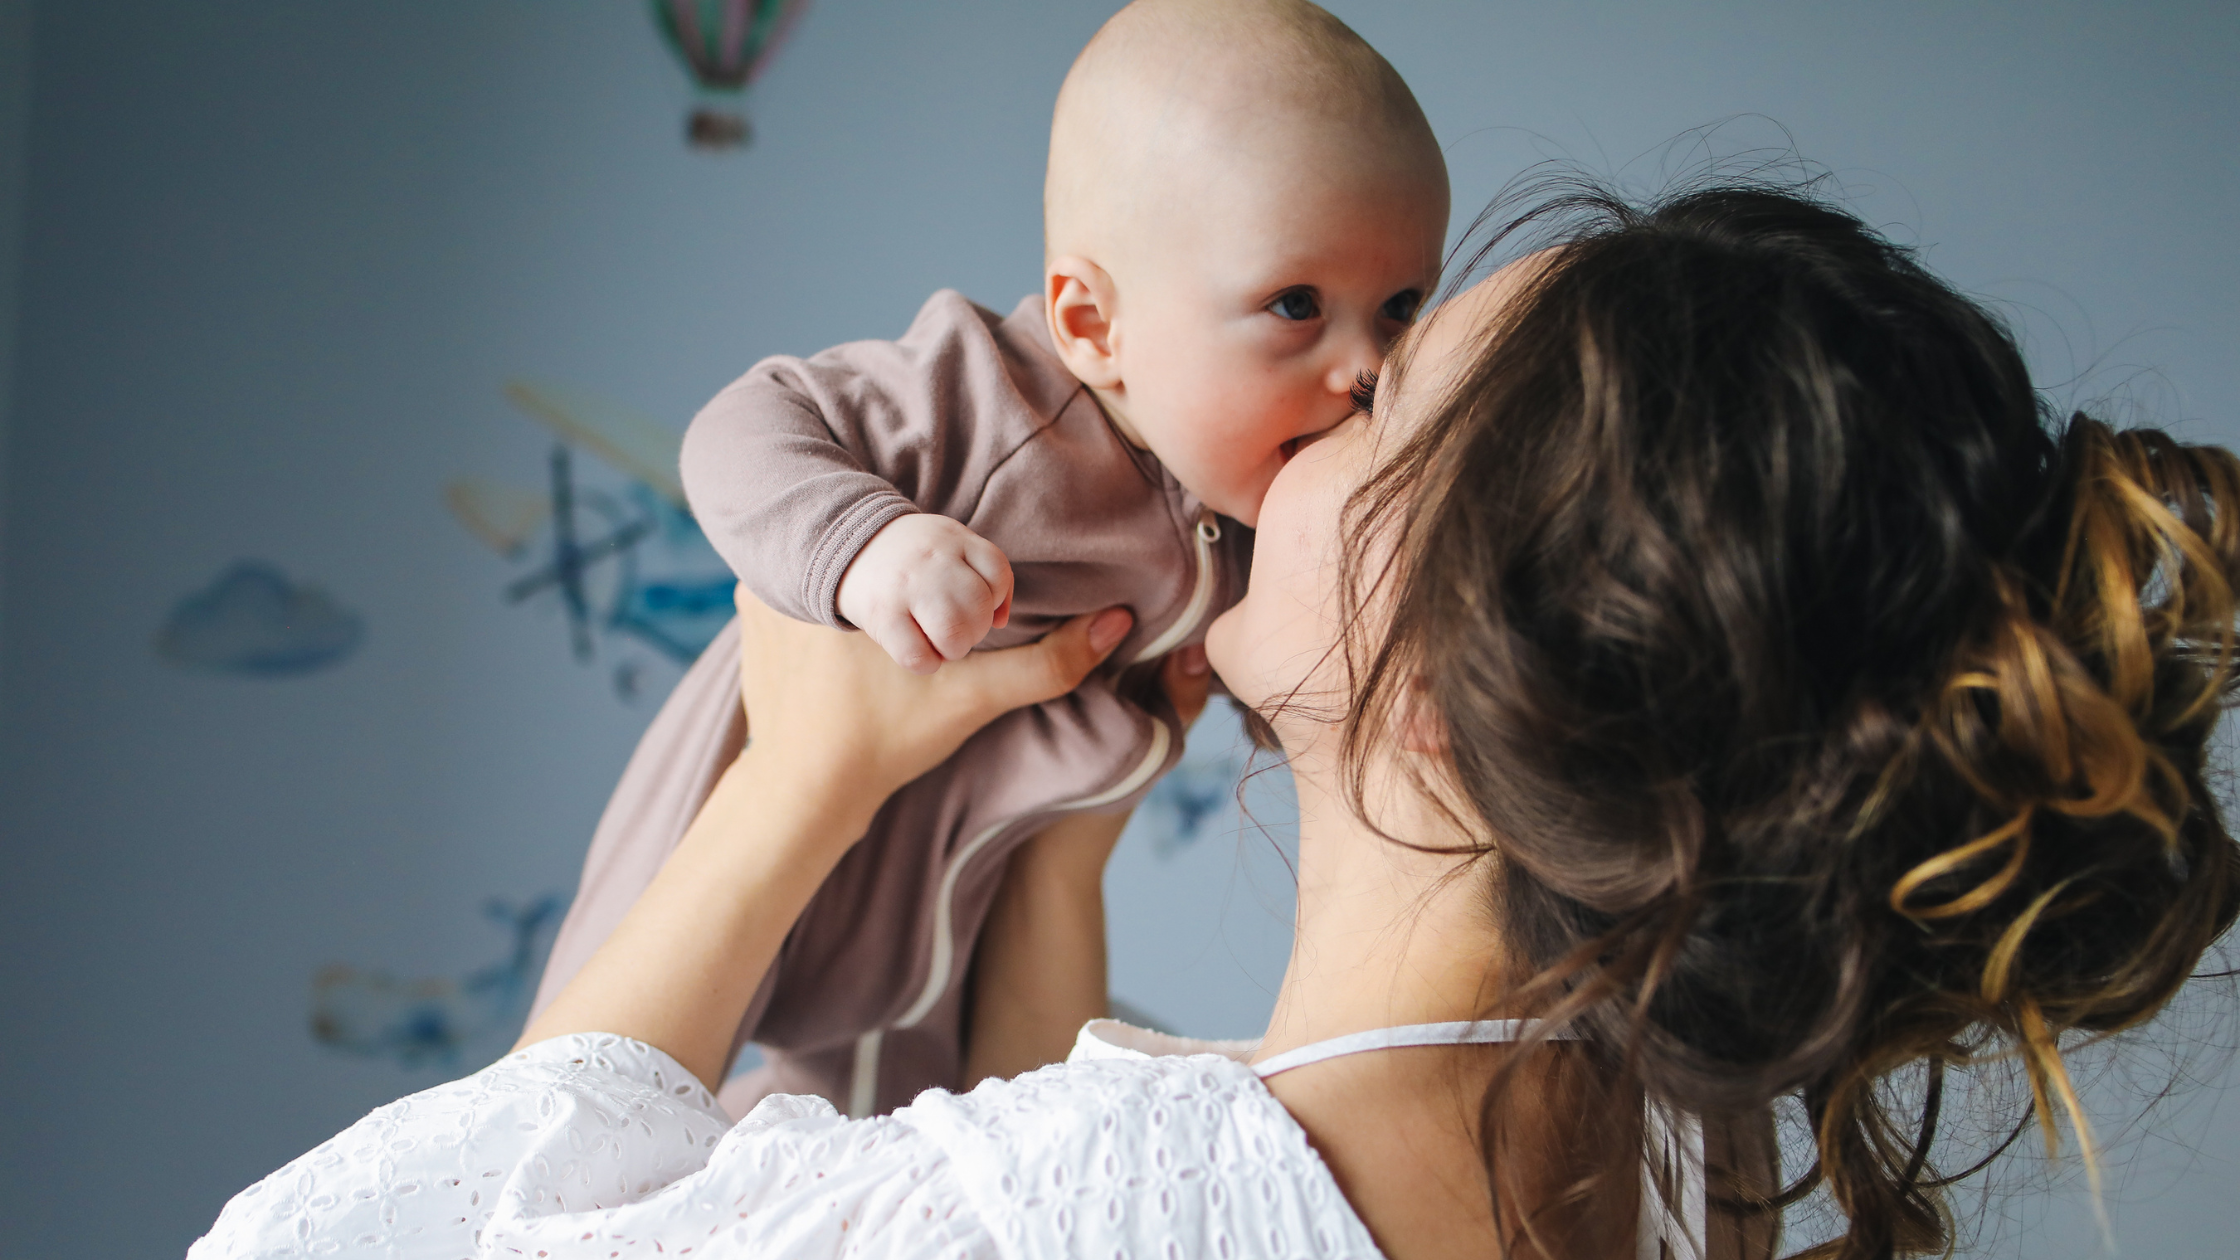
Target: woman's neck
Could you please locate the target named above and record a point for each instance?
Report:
(1388, 935)
(1385, 934)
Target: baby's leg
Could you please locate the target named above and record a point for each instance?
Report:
(1038, 973)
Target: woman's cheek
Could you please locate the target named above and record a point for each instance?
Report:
(1248, 644)
(1290, 613)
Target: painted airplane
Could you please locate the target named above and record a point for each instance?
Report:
(633, 563)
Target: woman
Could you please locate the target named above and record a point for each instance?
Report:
(1706, 677)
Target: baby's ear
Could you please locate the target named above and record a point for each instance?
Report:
(1080, 298)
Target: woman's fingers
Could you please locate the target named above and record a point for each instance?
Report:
(1044, 670)
(1189, 681)
(821, 698)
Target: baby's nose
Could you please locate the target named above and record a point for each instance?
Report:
(1361, 355)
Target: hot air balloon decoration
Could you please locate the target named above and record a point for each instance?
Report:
(725, 44)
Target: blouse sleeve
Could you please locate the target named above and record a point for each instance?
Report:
(599, 1146)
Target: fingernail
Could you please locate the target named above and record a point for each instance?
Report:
(1109, 628)
(1194, 662)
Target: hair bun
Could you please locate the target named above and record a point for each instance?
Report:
(1828, 711)
(2079, 721)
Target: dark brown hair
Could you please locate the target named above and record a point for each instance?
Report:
(1826, 709)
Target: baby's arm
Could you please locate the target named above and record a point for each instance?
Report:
(830, 484)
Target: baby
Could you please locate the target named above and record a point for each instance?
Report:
(1244, 206)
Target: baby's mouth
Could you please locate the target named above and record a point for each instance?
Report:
(1292, 446)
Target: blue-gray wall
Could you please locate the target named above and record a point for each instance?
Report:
(15, 118)
(278, 260)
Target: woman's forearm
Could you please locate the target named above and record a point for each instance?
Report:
(685, 961)
(836, 728)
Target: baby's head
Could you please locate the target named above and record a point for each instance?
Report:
(1245, 206)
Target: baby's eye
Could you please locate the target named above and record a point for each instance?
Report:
(1295, 304)
(1401, 307)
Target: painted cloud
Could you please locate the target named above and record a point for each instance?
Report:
(253, 620)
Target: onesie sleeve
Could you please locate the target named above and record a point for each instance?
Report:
(794, 466)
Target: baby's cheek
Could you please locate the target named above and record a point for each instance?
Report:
(1241, 482)
(1251, 444)
(1230, 449)
(1253, 489)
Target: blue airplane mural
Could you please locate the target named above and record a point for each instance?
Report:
(626, 564)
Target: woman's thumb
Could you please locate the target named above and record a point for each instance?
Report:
(1106, 629)
(1045, 670)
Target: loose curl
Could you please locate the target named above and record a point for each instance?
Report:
(1824, 708)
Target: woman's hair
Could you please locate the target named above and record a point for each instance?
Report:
(1825, 708)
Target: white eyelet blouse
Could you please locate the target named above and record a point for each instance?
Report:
(590, 1147)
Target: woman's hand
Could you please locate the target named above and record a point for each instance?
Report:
(835, 726)
(820, 701)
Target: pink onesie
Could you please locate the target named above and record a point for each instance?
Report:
(791, 469)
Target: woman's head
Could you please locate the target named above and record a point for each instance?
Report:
(1821, 708)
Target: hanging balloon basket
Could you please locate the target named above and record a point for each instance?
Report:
(718, 130)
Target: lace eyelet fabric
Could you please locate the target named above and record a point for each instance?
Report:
(591, 1146)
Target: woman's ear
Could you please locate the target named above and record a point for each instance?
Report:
(1420, 728)
(1082, 305)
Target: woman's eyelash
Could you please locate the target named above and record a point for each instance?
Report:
(1365, 392)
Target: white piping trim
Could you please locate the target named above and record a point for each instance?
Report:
(863, 1080)
(944, 944)
(1207, 533)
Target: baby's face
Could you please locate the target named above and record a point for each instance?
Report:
(1244, 323)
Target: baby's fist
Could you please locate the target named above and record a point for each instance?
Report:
(926, 589)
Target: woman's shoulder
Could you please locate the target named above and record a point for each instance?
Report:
(585, 1143)
(577, 1123)
(1139, 1140)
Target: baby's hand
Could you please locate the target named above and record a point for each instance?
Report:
(926, 589)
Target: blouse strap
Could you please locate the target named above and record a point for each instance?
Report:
(1468, 1032)
(1673, 1201)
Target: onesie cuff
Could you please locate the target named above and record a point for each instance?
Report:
(820, 586)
